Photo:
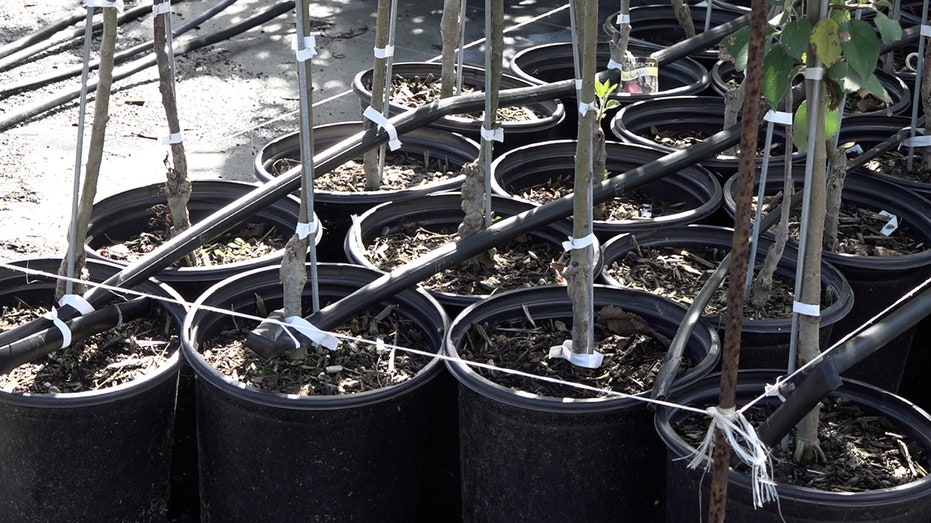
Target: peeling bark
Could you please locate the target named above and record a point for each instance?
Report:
(684, 16)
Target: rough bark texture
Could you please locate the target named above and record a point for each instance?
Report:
(371, 160)
(579, 271)
(450, 26)
(177, 185)
(476, 189)
(926, 105)
(834, 189)
(733, 101)
(95, 150)
(684, 15)
(740, 252)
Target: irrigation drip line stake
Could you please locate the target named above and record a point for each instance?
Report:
(79, 151)
(305, 56)
(916, 93)
(740, 250)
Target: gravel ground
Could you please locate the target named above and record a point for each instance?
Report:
(233, 97)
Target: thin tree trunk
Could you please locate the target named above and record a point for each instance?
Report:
(926, 105)
(621, 38)
(450, 27)
(95, 150)
(371, 159)
(476, 190)
(807, 446)
(684, 15)
(834, 190)
(177, 185)
(579, 271)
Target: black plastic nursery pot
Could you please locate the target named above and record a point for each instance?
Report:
(129, 213)
(443, 212)
(335, 208)
(764, 342)
(277, 457)
(553, 62)
(693, 193)
(102, 455)
(869, 131)
(657, 26)
(532, 458)
(542, 117)
(722, 71)
(687, 114)
(877, 281)
(907, 503)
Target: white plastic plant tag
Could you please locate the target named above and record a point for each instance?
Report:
(891, 225)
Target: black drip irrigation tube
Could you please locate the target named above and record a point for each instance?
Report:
(137, 65)
(118, 58)
(21, 50)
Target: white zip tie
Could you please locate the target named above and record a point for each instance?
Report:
(814, 73)
(780, 117)
(160, 9)
(807, 309)
(172, 138)
(891, 225)
(622, 19)
(916, 141)
(748, 448)
(564, 351)
(578, 243)
(925, 30)
(496, 134)
(380, 120)
(306, 51)
(313, 333)
(613, 65)
(79, 304)
(578, 84)
(304, 229)
(385, 52)
(584, 108)
(118, 4)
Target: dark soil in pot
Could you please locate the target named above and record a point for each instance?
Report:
(422, 79)
(95, 444)
(881, 269)
(542, 172)
(443, 152)
(129, 225)
(892, 165)
(724, 77)
(346, 455)
(598, 450)
(674, 262)
(673, 123)
(395, 233)
(849, 431)
(553, 62)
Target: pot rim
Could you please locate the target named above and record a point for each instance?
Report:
(856, 390)
(521, 399)
(218, 380)
(175, 307)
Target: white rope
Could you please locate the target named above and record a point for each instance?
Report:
(314, 334)
(380, 120)
(496, 134)
(578, 243)
(304, 229)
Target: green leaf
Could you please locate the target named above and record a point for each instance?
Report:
(861, 49)
(826, 41)
(889, 29)
(736, 43)
(872, 85)
(777, 75)
(838, 73)
(795, 37)
(800, 127)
